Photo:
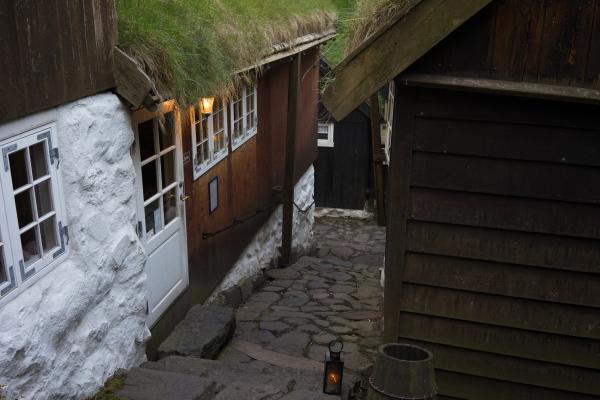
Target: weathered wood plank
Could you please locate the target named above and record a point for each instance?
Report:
(473, 388)
(508, 141)
(402, 142)
(535, 250)
(461, 105)
(506, 177)
(503, 212)
(395, 49)
(132, 83)
(496, 339)
(506, 88)
(504, 279)
(502, 311)
(513, 369)
(65, 54)
(516, 33)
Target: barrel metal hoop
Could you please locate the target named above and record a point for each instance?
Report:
(393, 396)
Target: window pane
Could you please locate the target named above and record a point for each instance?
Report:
(170, 204)
(149, 181)
(3, 276)
(24, 208)
(39, 160)
(48, 234)
(30, 247)
(18, 168)
(43, 198)
(168, 168)
(166, 131)
(204, 128)
(153, 219)
(146, 135)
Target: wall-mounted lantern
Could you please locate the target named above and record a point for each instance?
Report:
(206, 105)
(334, 368)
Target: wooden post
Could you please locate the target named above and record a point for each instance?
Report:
(378, 158)
(290, 152)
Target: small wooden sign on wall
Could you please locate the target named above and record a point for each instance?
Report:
(213, 194)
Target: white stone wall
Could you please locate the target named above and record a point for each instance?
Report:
(265, 245)
(64, 336)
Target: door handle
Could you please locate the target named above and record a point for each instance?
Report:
(183, 197)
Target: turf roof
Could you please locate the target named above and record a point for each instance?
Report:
(191, 48)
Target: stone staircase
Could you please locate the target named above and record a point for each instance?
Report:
(186, 370)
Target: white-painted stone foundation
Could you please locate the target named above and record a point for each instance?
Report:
(70, 331)
(264, 248)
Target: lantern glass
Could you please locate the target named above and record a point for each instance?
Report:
(333, 375)
(206, 105)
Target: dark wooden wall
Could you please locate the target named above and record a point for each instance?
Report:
(246, 180)
(493, 259)
(542, 41)
(53, 52)
(343, 174)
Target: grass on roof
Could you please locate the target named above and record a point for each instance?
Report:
(191, 48)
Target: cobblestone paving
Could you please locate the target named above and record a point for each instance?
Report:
(335, 294)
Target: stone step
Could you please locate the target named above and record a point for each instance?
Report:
(176, 377)
(203, 332)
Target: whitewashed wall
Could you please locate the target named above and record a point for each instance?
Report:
(264, 247)
(64, 336)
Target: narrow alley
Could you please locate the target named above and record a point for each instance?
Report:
(283, 330)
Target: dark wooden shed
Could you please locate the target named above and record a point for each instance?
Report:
(493, 256)
(343, 169)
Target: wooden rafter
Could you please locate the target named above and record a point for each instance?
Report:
(393, 49)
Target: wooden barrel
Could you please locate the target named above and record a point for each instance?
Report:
(402, 371)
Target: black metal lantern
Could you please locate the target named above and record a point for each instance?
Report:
(334, 368)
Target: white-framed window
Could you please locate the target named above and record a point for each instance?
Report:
(209, 137)
(33, 229)
(325, 134)
(244, 116)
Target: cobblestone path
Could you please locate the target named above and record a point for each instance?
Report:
(333, 295)
(282, 330)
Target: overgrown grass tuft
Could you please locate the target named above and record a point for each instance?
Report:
(191, 48)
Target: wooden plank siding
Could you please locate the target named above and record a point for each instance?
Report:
(53, 52)
(537, 41)
(493, 261)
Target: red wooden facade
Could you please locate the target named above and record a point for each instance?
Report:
(247, 178)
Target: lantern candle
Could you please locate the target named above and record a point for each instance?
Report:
(334, 369)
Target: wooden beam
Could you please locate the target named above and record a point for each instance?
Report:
(394, 50)
(290, 159)
(377, 160)
(507, 88)
(400, 172)
(132, 83)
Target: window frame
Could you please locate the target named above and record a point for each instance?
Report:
(330, 130)
(200, 168)
(22, 276)
(247, 133)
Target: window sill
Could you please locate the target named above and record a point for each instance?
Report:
(24, 286)
(247, 136)
(198, 172)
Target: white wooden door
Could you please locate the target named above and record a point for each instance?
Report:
(161, 213)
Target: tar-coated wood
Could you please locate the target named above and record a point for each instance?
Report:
(493, 258)
(539, 41)
(343, 173)
(53, 52)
